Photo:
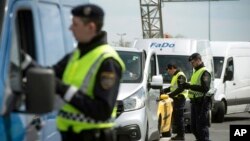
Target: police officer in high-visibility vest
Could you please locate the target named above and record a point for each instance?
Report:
(92, 75)
(87, 80)
(198, 87)
(179, 95)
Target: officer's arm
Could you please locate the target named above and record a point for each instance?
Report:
(205, 83)
(166, 90)
(28, 62)
(180, 80)
(105, 92)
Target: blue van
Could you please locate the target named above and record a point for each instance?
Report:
(40, 28)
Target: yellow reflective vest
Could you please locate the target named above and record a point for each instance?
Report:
(81, 73)
(196, 80)
(174, 84)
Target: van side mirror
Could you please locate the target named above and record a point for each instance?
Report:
(157, 82)
(40, 91)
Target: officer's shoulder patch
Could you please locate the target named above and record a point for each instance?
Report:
(107, 80)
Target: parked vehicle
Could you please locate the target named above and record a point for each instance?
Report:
(165, 109)
(138, 96)
(177, 50)
(40, 28)
(232, 78)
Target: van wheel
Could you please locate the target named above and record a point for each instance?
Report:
(219, 116)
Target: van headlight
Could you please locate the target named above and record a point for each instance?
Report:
(136, 101)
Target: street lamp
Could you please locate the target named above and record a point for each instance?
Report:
(121, 42)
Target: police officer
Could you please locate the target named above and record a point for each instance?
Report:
(198, 87)
(177, 92)
(88, 80)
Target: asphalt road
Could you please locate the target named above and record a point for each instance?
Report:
(220, 131)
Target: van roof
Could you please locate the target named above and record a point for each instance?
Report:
(221, 48)
(171, 46)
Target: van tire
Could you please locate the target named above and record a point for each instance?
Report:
(220, 112)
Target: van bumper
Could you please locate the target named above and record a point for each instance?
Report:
(132, 125)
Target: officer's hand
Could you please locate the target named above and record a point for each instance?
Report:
(186, 85)
(61, 88)
(170, 95)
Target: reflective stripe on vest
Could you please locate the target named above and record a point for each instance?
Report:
(81, 73)
(174, 85)
(196, 80)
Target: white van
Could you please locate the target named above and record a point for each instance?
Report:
(138, 96)
(232, 78)
(177, 50)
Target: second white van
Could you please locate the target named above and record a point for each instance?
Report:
(232, 78)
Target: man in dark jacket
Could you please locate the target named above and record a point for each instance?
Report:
(198, 87)
(179, 95)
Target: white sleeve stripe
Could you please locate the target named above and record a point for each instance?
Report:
(70, 93)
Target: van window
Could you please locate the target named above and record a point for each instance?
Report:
(52, 30)
(133, 62)
(218, 64)
(180, 61)
(152, 68)
(25, 30)
(229, 70)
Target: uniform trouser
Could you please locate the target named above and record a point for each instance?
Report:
(178, 115)
(89, 135)
(199, 119)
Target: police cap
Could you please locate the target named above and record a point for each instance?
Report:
(89, 11)
(194, 56)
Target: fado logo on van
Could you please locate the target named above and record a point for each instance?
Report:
(162, 45)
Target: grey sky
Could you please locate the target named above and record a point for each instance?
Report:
(230, 20)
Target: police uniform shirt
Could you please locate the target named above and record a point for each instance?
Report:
(105, 93)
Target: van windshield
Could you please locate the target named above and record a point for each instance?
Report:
(133, 63)
(180, 61)
(2, 5)
(218, 64)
